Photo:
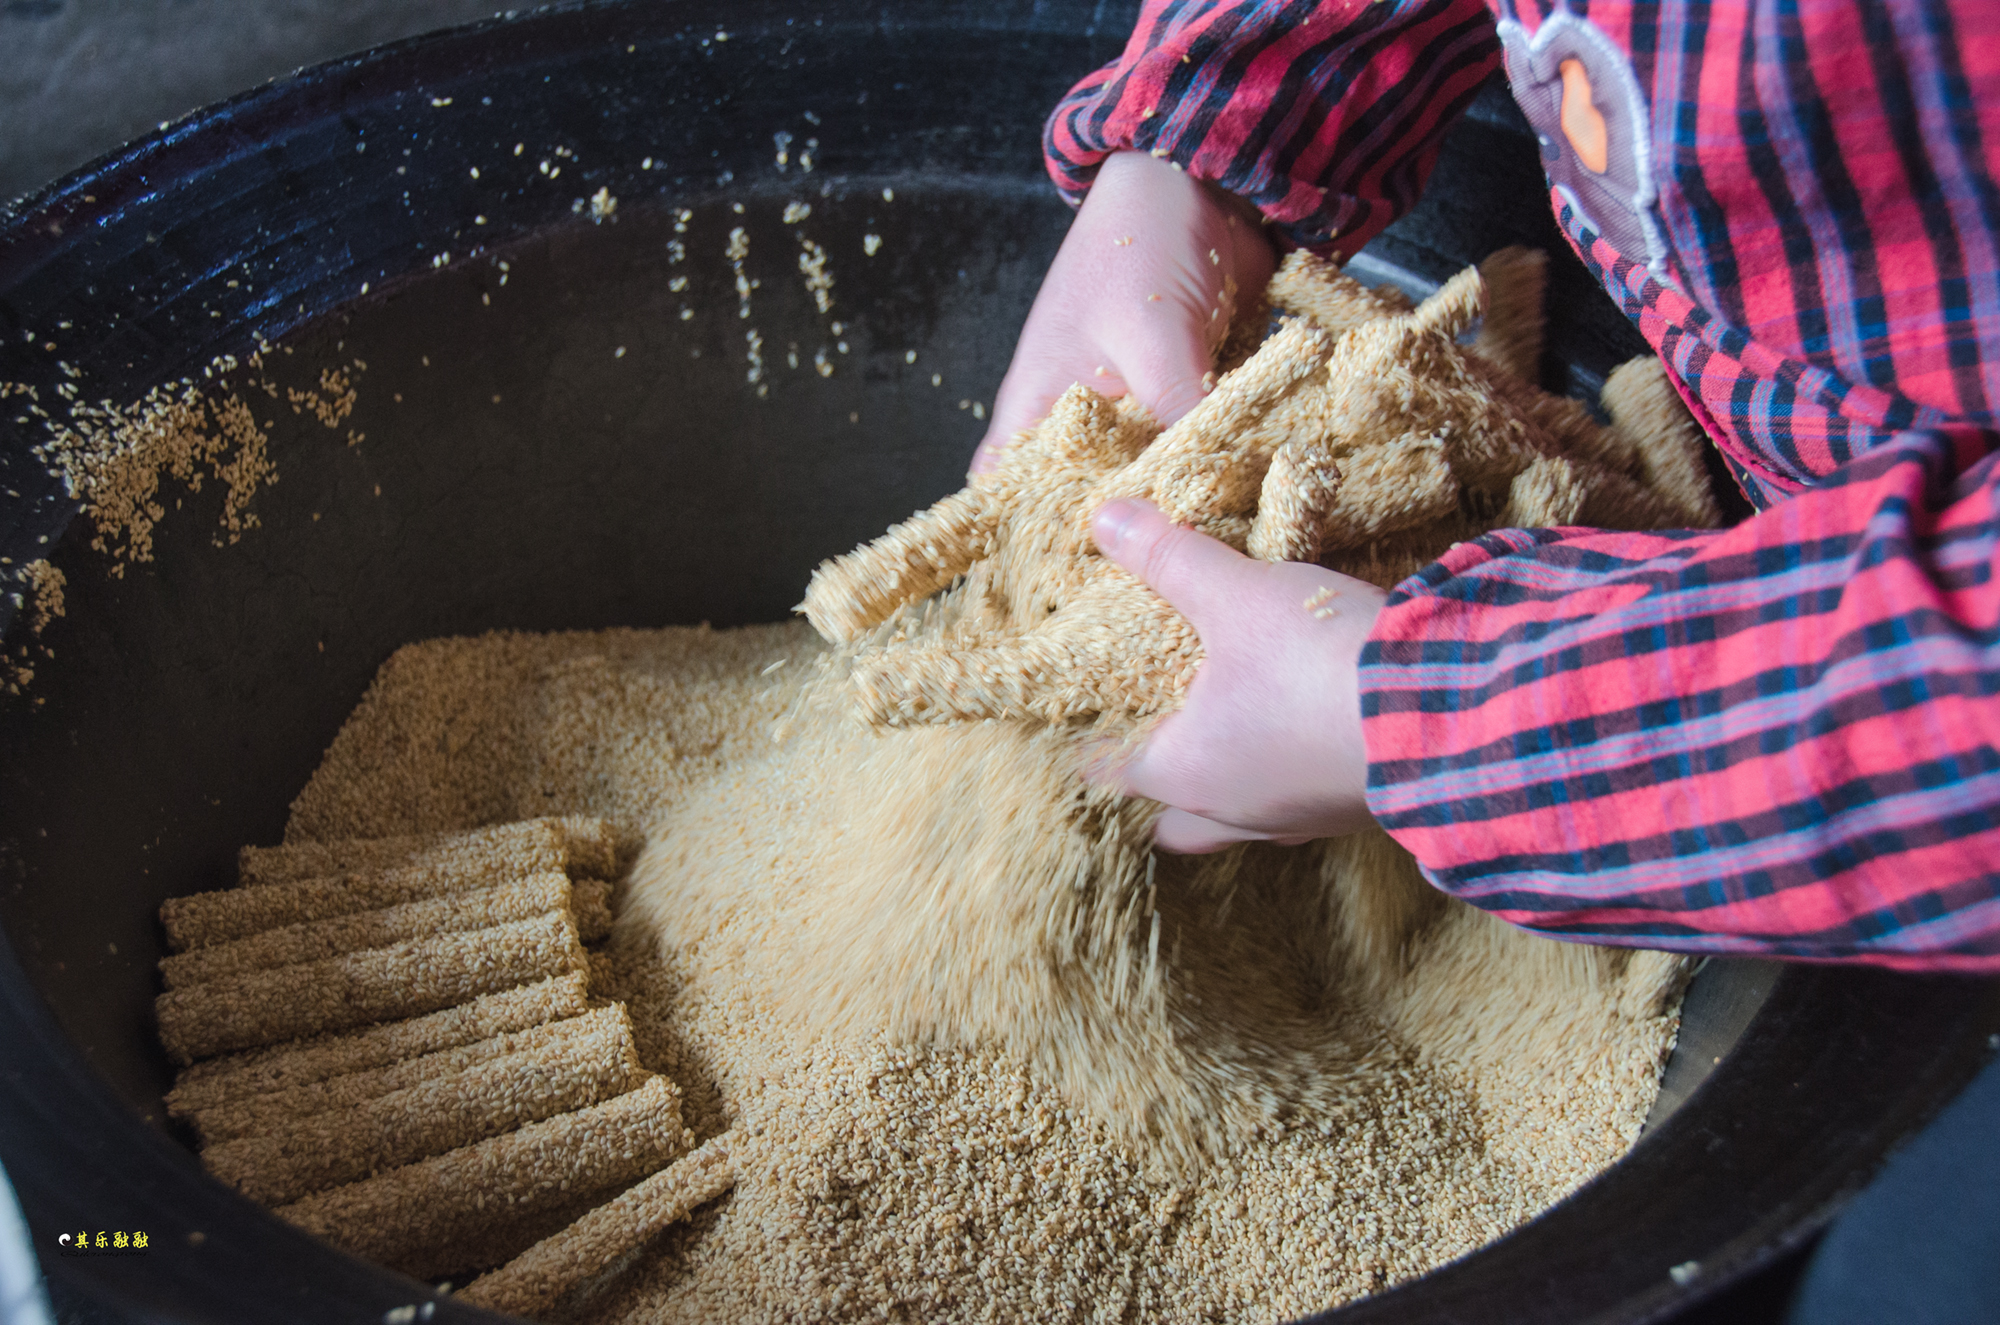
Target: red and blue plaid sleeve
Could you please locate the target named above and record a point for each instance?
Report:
(1783, 737)
(1325, 114)
(1778, 738)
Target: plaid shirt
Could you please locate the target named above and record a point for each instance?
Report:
(1781, 738)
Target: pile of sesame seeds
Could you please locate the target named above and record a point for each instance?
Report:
(887, 1176)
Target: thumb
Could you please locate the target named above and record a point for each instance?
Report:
(1199, 576)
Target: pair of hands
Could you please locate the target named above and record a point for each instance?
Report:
(1268, 743)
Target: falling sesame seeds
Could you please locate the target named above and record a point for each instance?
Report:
(738, 250)
(818, 280)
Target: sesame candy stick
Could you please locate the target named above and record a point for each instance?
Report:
(536, 1280)
(443, 1214)
(382, 984)
(508, 850)
(319, 940)
(304, 1063)
(260, 1114)
(347, 1144)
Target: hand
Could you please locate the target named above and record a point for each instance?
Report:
(1137, 299)
(1268, 744)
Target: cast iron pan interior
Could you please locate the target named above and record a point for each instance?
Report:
(532, 478)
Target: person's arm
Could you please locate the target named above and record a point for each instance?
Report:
(1781, 738)
(1326, 115)
(1321, 119)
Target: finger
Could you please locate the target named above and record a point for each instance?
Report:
(1016, 408)
(1187, 834)
(1201, 577)
(1102, 763)
(987, 454)
(1108, 763)
(1154, 769)
(1168, 373)
(1029, 391)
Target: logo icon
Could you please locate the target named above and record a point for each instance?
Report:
(105, 1242)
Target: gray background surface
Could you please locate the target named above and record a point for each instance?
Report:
(80, 77)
